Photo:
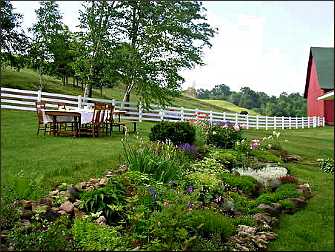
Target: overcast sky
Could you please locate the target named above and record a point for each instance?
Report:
(262, 45)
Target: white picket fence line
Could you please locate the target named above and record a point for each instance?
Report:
(18, 99)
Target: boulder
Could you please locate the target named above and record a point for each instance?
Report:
(263, 218)
(27, 204)
(67, 206)
(73, 193)
(54, 193)
(298, 202)
(101, 220)
(103, 182)
(305, 189)
(292, 158)
(269, 209)
(26, 214)
(45, 201)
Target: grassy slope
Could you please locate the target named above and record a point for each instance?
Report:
(230, 106)
(312, 228)
(29, 79)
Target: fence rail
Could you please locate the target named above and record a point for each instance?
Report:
(18, 99)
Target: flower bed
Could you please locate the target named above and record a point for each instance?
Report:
(167, 197)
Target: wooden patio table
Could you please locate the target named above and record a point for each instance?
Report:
(55, 113)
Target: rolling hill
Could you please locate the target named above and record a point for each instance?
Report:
(29, 79)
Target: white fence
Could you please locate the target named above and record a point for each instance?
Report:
(25, 100)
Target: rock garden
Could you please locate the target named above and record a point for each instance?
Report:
(192, 186)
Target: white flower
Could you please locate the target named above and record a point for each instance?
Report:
(214, 132)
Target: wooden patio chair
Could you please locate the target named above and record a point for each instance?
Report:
(41, 125)
(93, 128)
(110, 122)
(64, 123)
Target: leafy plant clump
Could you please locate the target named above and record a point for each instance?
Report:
(176, 132)
(265, 156)
(282, 192)
(326, 165)
(162, 161)
(223, 137)
(245, 183)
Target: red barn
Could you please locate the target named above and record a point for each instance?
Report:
(320, 80)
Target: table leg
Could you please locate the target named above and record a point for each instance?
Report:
(54, 123)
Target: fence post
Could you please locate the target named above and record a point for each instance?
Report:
(256, 121)
(266, 122)
(289, 122)
(296, 122)
(224, 116)
(236, 118)
(314, 121)
(323, 121)
(274, 122)
(79, 102)
(308, 125)
(318, 121)
(182, 114)
(162, 114)
(302, 122)
(113, 103)
(140, 111)
(211, 117)
(247, 121)
(282, 122)
(39, 95)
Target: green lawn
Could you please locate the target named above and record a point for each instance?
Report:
(32, 165)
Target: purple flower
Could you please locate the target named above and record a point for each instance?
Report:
(189, 189)
(218, 199)
(189, 148)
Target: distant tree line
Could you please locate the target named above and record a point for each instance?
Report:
(142, 44)
(285, 105)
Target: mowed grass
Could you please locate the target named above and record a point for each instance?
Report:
(229, 106)
(32, 165)
(312, 228)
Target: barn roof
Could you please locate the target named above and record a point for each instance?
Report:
(324, 62)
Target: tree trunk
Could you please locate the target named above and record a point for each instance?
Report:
(82, 86)
(66, 80)
(73, 81)
(63, 80)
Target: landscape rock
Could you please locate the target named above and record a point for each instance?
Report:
(26, 214)
(73, 193)
(67, 206)
(292, 158)
(54, 193)
(305, 189)
(45, 201)
(269, 209)
(27, 204)
(61, 212)
(51, 214)
(101, 220)
(78, 213)
(298, 202)
(26, 224)
(103, 182)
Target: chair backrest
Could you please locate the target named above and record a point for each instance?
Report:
(61, 105)
(99, 113)
(109, 112)
(39, 106)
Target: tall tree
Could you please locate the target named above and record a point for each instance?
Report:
(13, 40)
(96, 43)
(46, 32)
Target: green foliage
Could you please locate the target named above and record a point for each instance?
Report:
(242, 203)
(164, 162)
(9, 215)
(223, 137)
(51, 236)
(265, 156)
(244, 220)
(245, 183)
(108, 200)
(91, 236)
(284, 191)
(176, 132)
(14, 42)
(229, 158)
(210, 222)
(326, 165)
(286, 204)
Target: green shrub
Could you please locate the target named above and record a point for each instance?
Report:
(48, 237)
(245, 183)
(210, 222)
(9, 215)
(223, 137)
(265, 156)
(108, 199)
(286, 204)
(242, 203)
(244, 220)
(229, 158)
(327, 165)
(284, 191)
(164, 162)
(176, 132)
(91, 236)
